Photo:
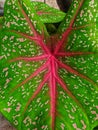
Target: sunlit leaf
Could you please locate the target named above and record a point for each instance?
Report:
(49, 82)
(48, 14)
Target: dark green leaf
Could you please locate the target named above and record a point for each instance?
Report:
(96, 128)
(1, 21)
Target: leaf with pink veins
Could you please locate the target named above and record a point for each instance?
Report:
(49, 82)
(36, 58)
(46, 77)
(48, 14)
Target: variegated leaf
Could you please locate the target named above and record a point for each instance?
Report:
(48, 14)
(49, 82)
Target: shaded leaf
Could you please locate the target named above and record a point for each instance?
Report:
(64, 4)
(96, 128)
(1, 21)
(51, 28)
(1, 11)
(49, 82)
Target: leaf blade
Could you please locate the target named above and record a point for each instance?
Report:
(48, 14)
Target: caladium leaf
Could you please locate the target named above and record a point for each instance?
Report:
(48, 14)
(50, 82)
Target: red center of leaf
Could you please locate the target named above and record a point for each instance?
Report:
(52, 64)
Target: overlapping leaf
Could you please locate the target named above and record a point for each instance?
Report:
(49, 83)
(48, 14)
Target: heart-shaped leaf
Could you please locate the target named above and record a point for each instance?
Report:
(49, 82)
(48, 14)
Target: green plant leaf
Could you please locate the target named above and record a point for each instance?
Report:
(49, 82)
(96, 128)
(1, 22)
(48, 14)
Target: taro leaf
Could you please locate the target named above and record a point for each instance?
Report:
(50, 83)
(48, 14)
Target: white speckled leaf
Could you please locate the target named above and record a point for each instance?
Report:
(18, 19)
(49, 82)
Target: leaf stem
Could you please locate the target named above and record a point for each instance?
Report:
(53, 91)
(69, 54)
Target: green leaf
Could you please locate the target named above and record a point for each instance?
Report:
(18, 19)
(96, 128)
(49, 82)
(51, 28)
(1, 22)
(48, 14)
